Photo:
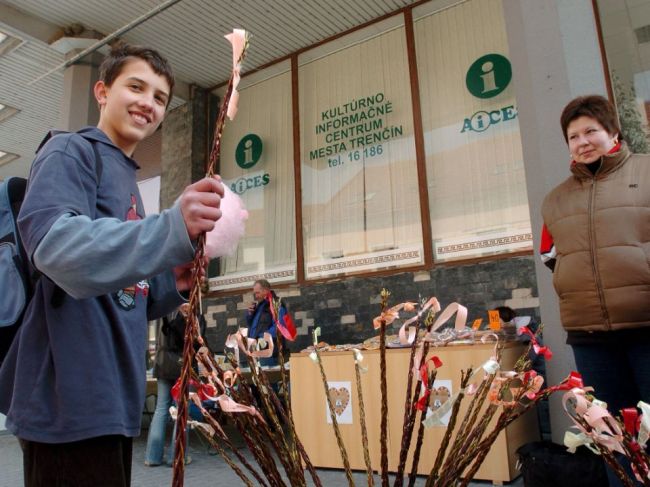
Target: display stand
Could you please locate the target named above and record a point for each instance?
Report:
(317, 435)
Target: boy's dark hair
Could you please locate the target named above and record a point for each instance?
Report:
(594, 106)
(112, 65)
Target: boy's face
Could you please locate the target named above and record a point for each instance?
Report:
(132, 108)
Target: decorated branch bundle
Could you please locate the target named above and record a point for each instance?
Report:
(262, 417)
(613, 438)
(496, 396)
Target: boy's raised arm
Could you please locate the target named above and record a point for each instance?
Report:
(89, 258)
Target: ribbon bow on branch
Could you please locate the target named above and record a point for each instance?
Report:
(537, 348)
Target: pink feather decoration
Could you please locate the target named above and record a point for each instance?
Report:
(223, 239)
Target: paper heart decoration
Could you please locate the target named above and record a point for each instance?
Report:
(438, 397)
(340, 398)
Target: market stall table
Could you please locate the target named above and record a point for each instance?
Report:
(311, 414)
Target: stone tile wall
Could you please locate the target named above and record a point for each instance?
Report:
(344, 308)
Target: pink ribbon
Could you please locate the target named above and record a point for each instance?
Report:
(603, 429)
(240, 341)
(238, 41)
(229, 405)
(459, 324)
(392, 314)
(405, 339)
(539, 350)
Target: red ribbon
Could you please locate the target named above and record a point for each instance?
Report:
(528, 375)
(202, 390)
(422, 403)
(631, 420)
(537, 348)
(574, 380)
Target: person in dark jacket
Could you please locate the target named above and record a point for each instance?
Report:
(166, 370)
(259, 316)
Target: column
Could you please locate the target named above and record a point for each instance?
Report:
(555, 57)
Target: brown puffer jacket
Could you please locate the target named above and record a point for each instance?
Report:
(601, 228)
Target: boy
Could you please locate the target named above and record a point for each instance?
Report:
(73, 383)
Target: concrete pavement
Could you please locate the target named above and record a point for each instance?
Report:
(206, 469)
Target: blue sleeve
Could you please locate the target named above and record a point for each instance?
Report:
(163, 296)
(62, 180)
(88, 258)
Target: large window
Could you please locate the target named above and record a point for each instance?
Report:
(626, 35)
(257, 164)
(360, 200)
(359, 182)
(475, 172)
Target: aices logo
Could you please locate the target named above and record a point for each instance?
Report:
(488, 76)
(248, 151)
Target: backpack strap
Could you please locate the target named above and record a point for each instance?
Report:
(99, 165)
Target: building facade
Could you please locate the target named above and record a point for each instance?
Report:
(413, 154)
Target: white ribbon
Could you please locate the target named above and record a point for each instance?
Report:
(491, 366)
(358, 358)
(435, 418)
(572, 441)
(644, 429)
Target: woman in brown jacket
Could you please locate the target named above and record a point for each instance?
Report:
(596, 238)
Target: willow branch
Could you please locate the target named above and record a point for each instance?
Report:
(178, 473)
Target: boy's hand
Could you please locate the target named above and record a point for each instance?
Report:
(200, 206)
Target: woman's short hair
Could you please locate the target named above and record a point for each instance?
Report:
(594, 106)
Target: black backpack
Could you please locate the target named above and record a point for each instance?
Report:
(17, 276)
(545, 464)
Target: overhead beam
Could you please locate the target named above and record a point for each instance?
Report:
(29, 25)
(48, 33)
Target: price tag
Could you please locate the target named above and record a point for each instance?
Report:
(477, 323)
(495, 321)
